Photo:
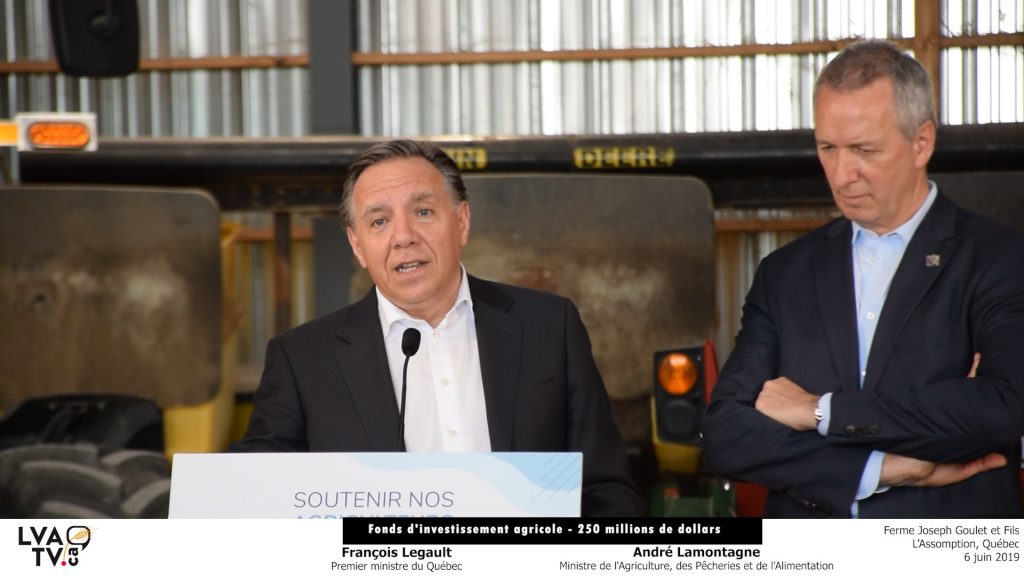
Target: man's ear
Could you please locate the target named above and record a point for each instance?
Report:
(357, 248)
(463, 214)
(924, 144)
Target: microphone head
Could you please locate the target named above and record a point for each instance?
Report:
(410, 341)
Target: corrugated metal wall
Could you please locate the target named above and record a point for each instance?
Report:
(984, 84)
(178, 103)
(756, 92)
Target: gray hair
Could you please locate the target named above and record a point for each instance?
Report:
(396, 149)
(863, 62)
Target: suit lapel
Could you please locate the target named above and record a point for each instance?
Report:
(927, 255)
(499, 341)
(833, 276)
(364, 365)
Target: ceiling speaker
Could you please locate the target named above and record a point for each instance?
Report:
(95, 37)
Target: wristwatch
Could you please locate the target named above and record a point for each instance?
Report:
(818, 416)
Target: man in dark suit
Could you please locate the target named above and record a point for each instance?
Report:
(851, 389)
(500, 369)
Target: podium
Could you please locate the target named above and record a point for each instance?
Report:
(325, 485)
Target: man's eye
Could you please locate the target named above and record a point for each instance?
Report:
(377, 223)
(424, 212)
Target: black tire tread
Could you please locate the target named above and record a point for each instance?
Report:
(62, 509)
(13, 458)
(150, 501)
(73, 482)
(137, 468)
(84, 481)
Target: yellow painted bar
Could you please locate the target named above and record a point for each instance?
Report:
(8, 134)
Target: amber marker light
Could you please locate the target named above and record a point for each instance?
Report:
(677, 373)
(57, 131)
(58, 135)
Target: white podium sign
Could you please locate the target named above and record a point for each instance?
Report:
(335, 485)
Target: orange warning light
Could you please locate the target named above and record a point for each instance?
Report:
(59, 135)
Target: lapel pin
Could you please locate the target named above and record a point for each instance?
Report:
(932, 260)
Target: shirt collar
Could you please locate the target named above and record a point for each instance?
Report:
(390, 313)
(906, 230)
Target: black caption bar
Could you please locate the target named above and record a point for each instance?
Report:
(383, 531)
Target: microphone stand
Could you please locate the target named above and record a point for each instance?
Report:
(410, 345)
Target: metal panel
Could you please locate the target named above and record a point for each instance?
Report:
(113, 290)
(332, 97)
(999, 196)
(756, 168)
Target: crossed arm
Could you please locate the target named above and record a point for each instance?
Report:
(786, 402)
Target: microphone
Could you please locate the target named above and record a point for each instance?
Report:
(410, 345)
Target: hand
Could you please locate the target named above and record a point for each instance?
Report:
(974, 367)
(906, 471)
(786, 402)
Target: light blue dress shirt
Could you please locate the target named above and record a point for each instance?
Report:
(875, 259)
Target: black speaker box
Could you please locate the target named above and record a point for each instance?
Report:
(95, 37)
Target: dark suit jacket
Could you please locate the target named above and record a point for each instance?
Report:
(799, 321)
(326, 387)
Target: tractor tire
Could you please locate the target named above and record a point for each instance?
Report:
(83, 481)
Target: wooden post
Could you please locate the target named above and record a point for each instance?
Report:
(926, 41)
(282, 271)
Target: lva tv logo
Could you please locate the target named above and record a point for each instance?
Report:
(49, 543)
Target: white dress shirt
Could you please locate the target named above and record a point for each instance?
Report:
(444, 406)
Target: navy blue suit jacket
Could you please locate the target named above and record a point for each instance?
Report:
(799, 321)
(326, 387)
